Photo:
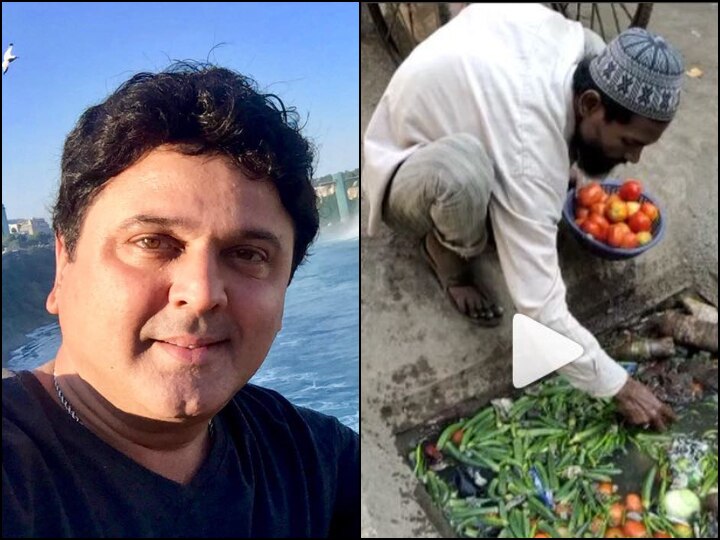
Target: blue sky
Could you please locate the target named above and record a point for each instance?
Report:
(72, 55)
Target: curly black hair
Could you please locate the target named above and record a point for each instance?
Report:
(582, 81)
(199, 109)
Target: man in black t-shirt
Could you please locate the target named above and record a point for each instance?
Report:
(184, 209)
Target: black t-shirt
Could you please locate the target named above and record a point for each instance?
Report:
(274, 470)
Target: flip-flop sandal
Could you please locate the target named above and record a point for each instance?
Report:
(463, 279)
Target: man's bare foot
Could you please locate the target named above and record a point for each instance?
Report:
(471, 299)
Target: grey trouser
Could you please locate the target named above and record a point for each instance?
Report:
(444, 188)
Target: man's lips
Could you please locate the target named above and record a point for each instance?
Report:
(191, 342)
(193, 350)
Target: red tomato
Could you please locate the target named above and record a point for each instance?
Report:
(633, 206)
(629, 241)
(634, 529)
(614, 532)
(590, 194)
(616, 212)
(597, 525)
(643, 237)
(432, 452)
(633, 503)
(606, 489)
(612, 198)
(581, 212)
(616, 514)
(602, 222)
(623, 227)
(457, 437)
(592, 229)
(616, 233)
(639, 222)
(631, 190)
(599, 219)
(650, 210)
(598, 208)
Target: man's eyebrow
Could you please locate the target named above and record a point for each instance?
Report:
(242, 234)
(145, 219)
(261, 234)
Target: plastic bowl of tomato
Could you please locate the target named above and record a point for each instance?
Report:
(601, 249)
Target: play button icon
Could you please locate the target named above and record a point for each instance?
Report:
(538, 350)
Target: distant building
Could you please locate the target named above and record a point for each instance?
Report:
(14, 226)
(5, 224)
(29, 226)
(39, 225)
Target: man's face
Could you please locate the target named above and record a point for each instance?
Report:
(176, 252)
(599, 145)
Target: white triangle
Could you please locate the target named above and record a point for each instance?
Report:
(538, 350)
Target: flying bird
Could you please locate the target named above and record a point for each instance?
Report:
(7, 58)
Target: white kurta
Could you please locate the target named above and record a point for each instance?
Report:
(502, 73)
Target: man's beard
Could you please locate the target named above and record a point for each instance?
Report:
(589, 157)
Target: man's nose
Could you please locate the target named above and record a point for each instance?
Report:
(197, 283)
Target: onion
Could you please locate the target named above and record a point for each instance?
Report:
(681, 504)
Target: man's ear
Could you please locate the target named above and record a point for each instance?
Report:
(589, 103)
(62, 259)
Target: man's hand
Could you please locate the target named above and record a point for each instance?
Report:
(638, 405)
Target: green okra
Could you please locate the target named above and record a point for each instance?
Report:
(552, 474)
(476, 461)
(589, 494)
(431, 483)
(541, 432)
(479, 430)
(492, 435)
(447, 433)
(502, 510)
(647, 487)
(607, 470)
(419, 460)
(538, 507)
(549, 529)
(515, 522)
(492, 521)
(521, 406)
(710, 482)
(518, 449)
(479, 511)
(597, 476)
(542, 473)
(484, 414)
(588, 433)
(526, 524)
(567, 491)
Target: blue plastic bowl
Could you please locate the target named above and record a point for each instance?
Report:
(600, 248)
